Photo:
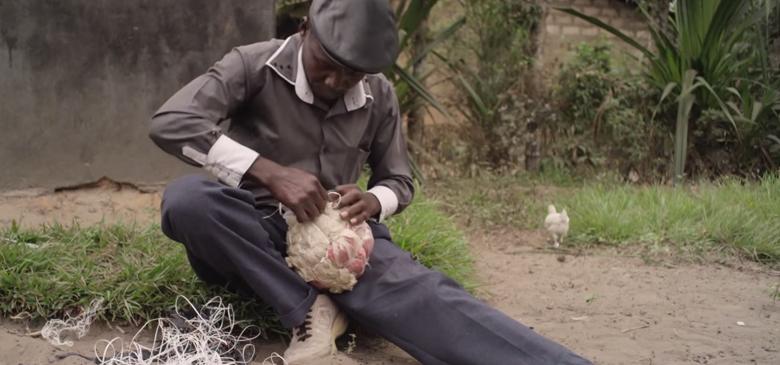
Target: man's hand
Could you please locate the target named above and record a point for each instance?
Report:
(356, 206)
(296, 189)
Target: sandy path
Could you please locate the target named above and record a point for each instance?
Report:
(610, 308)
(619, 310)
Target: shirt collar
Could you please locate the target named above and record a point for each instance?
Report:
(302, 87)
(281, 61)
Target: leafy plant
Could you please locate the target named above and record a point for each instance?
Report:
(584, 83)
(725, 44)
(604, 116)
(681, 132)
(492, 73)
(411, 15)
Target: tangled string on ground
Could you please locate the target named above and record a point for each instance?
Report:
(56, 330)
(210, 336)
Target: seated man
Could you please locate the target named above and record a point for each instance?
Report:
(305, 115)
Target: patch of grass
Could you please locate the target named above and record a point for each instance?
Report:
(731, 214)
(52, 270)
(434, 240)
(489, 201)
(707, 216)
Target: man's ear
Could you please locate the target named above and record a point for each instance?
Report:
(303, 27)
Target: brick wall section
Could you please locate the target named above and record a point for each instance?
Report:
(561, 32)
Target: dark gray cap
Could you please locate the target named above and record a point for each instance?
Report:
(359, 34)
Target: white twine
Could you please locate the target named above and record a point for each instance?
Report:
(282, 210)
(335, 204)
(54, 329)
(206, 339)
(271, 360)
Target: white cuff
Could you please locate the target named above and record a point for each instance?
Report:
(228, 160)
(387, 200)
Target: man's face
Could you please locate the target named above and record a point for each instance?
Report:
(328, 79)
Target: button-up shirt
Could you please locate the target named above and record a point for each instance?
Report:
(263, 90)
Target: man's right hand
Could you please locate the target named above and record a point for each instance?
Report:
(298, 190)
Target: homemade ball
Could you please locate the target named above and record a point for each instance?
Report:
(328, 252)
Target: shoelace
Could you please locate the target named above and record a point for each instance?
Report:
(302, 331)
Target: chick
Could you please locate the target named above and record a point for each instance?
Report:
(557, 224)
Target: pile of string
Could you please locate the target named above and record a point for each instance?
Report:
(208, 336)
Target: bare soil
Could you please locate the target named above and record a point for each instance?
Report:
(612, 307)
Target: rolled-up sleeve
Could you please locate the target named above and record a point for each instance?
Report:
(186, 126)
(391, 177)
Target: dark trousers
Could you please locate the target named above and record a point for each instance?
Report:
(231, 242)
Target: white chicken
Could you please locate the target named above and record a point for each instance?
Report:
(557, 224)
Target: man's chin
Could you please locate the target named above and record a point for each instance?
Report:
(326, 95)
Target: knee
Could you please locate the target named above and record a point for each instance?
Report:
(185, 193)
(186, 199)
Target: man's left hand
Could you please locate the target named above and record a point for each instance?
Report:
(356, 205)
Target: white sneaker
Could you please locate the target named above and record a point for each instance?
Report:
(315, 339)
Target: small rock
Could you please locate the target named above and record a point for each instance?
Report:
(740, 323)
(561, 258)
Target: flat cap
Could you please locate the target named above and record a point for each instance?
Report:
(359, 34)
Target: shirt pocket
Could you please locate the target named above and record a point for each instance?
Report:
(357, 159)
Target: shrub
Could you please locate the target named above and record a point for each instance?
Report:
(734, 101)
(604, 117)
(493, 74)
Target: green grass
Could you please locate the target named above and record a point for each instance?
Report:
(708, 216)
(490, 201)
(52, 270)
(434, 240)
(729, 215)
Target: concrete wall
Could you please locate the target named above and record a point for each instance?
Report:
(79, 80)
(560, 32)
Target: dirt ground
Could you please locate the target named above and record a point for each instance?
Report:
(608, 306)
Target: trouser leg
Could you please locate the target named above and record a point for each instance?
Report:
(228, 241)
(435, 320)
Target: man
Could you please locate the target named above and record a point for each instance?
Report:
(305, 115)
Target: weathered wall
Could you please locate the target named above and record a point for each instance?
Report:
(79, 80)
(560, 32)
